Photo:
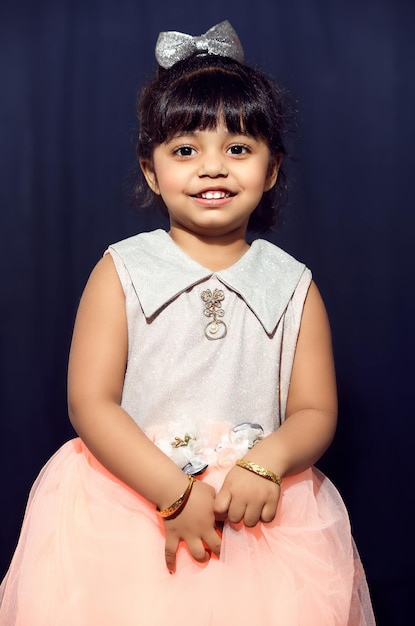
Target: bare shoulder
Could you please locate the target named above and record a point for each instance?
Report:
(315, 327)
(103, 294)
(314, 307)
(104, 276)
(315, 334)
(313, 376)
(99, 344)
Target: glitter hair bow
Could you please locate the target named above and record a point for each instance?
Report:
(220, 40)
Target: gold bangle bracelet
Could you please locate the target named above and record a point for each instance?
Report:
(177, 506)
(261, 471)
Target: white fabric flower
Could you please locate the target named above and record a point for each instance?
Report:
(217, 444)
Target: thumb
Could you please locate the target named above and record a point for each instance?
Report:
(221, 503)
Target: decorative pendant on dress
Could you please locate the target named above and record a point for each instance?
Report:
(216, 329)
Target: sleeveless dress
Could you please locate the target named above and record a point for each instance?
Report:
(209, 364)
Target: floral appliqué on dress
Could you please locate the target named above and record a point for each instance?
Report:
(197, 448)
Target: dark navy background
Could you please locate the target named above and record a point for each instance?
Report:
(69, 71)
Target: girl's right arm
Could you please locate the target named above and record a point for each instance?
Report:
(96, 373)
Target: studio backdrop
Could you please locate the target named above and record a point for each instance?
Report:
(70, 72)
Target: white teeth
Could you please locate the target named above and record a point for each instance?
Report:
(214, 195)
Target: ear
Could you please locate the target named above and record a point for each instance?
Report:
(274, 168)
(150, 175)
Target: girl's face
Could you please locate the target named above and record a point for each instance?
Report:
(211, 180)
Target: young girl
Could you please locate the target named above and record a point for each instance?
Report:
(202, 386)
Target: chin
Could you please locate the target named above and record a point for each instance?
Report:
(218, 231)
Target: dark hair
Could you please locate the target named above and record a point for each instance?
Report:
(193, 95)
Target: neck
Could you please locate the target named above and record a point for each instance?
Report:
(215, 253)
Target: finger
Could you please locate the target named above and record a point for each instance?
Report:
(170, 552)
(236, 511)
(268, 512)
(252, 515)
(198, 551)
(221, 517)
(221, 504)
(212, 543)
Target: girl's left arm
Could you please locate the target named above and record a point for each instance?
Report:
(306, 433)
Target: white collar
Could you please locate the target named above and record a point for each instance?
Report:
(265, 276)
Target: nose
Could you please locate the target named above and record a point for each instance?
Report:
(212, 165)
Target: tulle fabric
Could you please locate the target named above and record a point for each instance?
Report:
(91, 552)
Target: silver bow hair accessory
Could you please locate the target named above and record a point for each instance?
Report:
(220, 40)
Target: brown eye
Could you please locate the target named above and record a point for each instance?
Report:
(185, 151)
(238, 149)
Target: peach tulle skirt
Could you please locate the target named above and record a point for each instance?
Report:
(91, 553)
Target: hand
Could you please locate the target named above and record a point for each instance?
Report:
(195, 525)
(246, 496)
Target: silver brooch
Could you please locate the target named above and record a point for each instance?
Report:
(216, 329)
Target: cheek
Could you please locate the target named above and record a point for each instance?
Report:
(168, 179)
(259, 182)
(257, 177)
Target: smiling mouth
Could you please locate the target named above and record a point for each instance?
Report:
(214, 195)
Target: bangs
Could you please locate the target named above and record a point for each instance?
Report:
(204, 99)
